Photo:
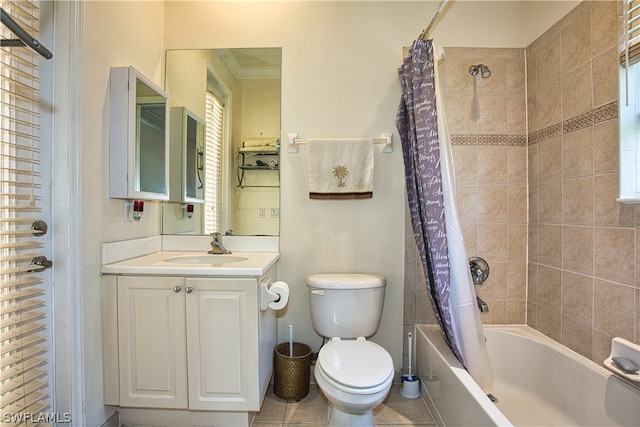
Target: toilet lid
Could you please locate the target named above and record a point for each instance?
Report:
(356, 363)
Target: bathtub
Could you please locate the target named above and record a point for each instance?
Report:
(537, 382)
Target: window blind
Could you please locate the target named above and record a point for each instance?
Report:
(631, 54)
(24, 370)
(213, 163)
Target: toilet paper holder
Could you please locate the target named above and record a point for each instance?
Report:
(267, 296)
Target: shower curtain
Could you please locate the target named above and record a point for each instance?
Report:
(432, 198)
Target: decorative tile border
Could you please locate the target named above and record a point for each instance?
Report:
(486, 140)
(606, 112)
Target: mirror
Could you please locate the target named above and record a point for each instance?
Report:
(187, 157)
(138, 137)
(237, 93)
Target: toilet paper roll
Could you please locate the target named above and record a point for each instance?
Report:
(278, 295)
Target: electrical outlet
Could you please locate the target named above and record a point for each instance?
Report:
(260, 212)
(275, 212)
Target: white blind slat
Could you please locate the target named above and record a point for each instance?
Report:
(213, 163)
(24, 369)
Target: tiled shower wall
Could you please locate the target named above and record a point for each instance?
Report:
(583, 287)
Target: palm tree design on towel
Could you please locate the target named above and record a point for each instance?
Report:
(341, 173)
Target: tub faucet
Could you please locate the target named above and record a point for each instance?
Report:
(484, 308)
(216, 245)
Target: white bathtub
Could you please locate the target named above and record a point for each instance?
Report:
(537, 383)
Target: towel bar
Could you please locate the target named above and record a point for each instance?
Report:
(386, 139)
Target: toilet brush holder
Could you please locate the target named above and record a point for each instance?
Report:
(292, 371)
(410, 386)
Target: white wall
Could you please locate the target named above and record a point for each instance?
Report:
(339, 63)
(116, 34)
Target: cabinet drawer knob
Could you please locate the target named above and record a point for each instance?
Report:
(177, 289)
(188, 289)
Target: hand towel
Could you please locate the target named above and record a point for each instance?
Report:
(340, 168)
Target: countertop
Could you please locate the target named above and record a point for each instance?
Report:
(255, 264)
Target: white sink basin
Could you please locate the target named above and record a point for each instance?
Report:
(205, 259)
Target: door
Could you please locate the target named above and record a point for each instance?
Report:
(222, 332)
(26, 343)
(152, 341)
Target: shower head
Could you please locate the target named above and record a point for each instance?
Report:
(480, 68)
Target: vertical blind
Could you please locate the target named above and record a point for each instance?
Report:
(24, 377)
(213, 163)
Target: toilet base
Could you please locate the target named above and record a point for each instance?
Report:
(338, 418)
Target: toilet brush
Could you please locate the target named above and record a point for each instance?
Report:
(410, 386)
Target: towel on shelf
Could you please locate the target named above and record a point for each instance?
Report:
(261, 142)
(340, 168)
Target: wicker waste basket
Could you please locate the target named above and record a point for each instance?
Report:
(291, 380)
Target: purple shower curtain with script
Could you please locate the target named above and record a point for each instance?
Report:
(417, 123)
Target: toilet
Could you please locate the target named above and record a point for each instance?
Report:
(354, 374)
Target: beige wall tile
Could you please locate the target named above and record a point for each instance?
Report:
(577, 336)
(492, 114)
(614, 309)
(549, 286)
(577, 297)
(577, 153)
(549, 321)
(495, 287)
(497, 313)
(496, 84)
(491, 241)
(577, 249)
(517, 279)
(607, 210)
(516, 311)
(466, 163)
(532, 164)
(603, 26)
(459, 81)
(613, 254)
(547, 61)
(577, 91)
(517, 165)
(492, 165)
(516, 114)
(517, 234)
(550, 202)
(550, 245)
(577, 203)
(548, 102)
(605, 70)
(492, 203)
(550, 160)
(605, 147)
(517, 203)
(576, 43)
(461, 115)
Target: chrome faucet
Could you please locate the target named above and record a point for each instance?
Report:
(217, 247)
(484, 308)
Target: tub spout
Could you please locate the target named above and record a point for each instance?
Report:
(484, 308)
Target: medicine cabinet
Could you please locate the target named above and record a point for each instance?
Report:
(187, 157)
(138, 137)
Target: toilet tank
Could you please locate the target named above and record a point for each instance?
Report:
(346, 305)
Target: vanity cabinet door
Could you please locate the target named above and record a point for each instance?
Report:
(152, 342)
(222, 332)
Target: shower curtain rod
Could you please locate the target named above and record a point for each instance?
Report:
(25, 38)
(425, 32)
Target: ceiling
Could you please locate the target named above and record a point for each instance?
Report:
(253, 63)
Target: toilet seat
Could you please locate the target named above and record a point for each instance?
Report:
(355, 366)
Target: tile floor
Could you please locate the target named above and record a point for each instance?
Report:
(312, 411)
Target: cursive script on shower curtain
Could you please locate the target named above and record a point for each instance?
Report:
(417, 123)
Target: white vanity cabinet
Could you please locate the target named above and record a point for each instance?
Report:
(196, 343)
